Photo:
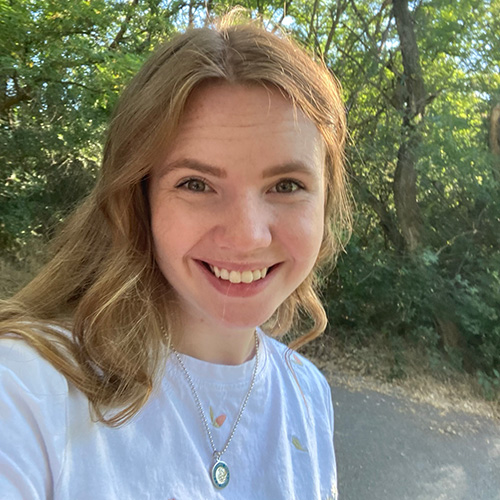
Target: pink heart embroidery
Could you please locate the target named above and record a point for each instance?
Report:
(217, 422)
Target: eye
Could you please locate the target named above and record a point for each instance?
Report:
(288, 186)
(194, 184)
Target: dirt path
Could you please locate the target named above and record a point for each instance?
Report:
(390, 448)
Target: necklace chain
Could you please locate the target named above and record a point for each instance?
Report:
(218, 454)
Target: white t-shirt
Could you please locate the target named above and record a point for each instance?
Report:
(282, 448)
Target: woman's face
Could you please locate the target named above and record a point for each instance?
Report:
(237, 206)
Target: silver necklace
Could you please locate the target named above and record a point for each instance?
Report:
(220, 471)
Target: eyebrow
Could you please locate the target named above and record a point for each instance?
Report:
(204, 168)
(194, 165)
(287, 168)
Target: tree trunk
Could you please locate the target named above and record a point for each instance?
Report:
(405, 178)
(495, 140)
(405, 191)
(386, 220)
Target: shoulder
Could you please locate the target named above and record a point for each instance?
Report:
(24, 369)
(298, 367)
(33, 427)
(301, 382)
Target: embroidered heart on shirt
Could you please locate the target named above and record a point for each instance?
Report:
(217, 421)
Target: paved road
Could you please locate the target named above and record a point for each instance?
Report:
(391, 449)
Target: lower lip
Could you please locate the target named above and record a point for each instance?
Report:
(229, 289)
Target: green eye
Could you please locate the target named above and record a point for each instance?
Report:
(195, 185)
(287, 186)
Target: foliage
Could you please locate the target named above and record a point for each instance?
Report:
(63, 65)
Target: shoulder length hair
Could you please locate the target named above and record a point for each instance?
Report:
(102, 283)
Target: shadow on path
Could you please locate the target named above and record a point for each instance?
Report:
(389, 448)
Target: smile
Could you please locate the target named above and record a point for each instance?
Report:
(247, 276)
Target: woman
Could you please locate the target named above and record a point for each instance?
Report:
(134, 365)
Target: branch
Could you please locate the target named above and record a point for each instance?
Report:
(364, 123)
(372, 50)
(385, 35)
(366, 26)
(449, 243)
(283, 15)
(124, 26)
(385, 218)
(363, 72)
(375, 49)
(335, 22)
(190, 14)
(69, 83)
(23, 94)
(208, 12)
(311, 24)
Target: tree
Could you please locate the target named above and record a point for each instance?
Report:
(421, 81)
(63, 65)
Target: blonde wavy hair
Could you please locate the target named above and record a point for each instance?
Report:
(102, 283)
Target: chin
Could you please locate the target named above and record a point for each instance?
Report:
(240, 322)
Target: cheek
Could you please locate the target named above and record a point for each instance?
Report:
(305, 233)
(169, 234)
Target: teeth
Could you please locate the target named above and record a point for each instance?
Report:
(235, 277)
(247, 276)
(256, 275)
(239, 277)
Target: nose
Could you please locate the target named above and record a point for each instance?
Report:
(244, 224)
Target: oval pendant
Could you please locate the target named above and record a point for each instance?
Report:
(220, 474)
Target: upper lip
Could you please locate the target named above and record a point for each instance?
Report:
(238, 266)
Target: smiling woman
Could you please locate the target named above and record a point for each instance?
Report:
(246, 195)
(222, 194)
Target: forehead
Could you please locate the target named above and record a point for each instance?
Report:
(225, 105)
(229, 121)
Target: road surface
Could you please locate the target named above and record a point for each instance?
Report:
(389, 448)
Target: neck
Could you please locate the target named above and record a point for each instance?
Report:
(215, 344)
